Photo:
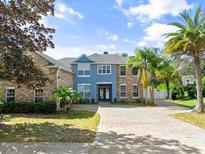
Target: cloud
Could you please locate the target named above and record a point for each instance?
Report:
(129, 41)
(155, 9)
(66, 13)
(154, 35)
(129, 25)
(113, 37)
(67, 51)
(120, 2)
(106, 46)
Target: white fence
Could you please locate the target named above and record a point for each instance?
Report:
(158, 94)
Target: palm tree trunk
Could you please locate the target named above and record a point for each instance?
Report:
(152, 91)
(146, 83)
(168, 89)
(199, 105)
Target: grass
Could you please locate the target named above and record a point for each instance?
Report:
(76, 127)
(188, 103)
(192, 118)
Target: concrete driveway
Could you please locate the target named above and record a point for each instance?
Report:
(130, 130)
(126, 129)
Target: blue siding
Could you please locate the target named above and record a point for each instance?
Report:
(94, 79)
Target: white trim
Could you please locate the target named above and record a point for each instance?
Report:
(8, 88)
(125, 91)
(80, 76)
(103, 82)
(34, 96)
(125, 71)
(137, 90)
(106, 69)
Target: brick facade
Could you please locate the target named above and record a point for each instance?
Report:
(57, 77)
(127, 80)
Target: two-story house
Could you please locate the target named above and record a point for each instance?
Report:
(98, 77)
(104, 77)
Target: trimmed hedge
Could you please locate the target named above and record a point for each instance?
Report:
(27, 107)
(134, 101)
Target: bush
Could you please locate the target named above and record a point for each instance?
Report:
(190, 90)
(134, 101)
(26, 107)
(203, 82)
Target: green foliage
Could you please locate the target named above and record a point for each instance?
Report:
(203, 82)
(161, 86)
(190, 90)
(21, 32)
(27, 107)
(134, 101)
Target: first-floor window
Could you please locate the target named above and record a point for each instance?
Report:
(10, 94)
(84, 89)
(38, 95)
(135, 91)
(122, 91)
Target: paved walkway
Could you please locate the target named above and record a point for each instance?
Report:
(130, 130)
(126, 129)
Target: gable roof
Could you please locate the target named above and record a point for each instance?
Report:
(83, 58)
(96, 58)
(54, 63)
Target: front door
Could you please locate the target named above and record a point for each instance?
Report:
(104, 93)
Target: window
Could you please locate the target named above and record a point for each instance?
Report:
(134, 71)
(38, 95)
(104, 69)
(83, 69)
(122, 91)
(84, 89)
(10, 94)
(122, 70)
(135, 91)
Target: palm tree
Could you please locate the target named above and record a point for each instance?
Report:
(189, 41)
(168, 73)
(140, 60)
(65, 95)
(146, 59)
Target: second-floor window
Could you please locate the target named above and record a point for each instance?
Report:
(104, 69)
(122, 70)
(83, 69)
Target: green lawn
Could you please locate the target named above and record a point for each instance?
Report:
(189, 103)
(75, 127)
(192, 118)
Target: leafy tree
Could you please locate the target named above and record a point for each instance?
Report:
(77, 97)
(21, 32)
(189, 41)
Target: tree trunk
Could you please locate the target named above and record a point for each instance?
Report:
(199, 107)
(168, 89)
(152, 90)
(146, 84)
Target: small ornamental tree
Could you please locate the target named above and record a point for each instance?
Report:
(65, 95)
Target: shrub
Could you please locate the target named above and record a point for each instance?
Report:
(203, 82)
(26, 107)
(190, 90)
(134, 101)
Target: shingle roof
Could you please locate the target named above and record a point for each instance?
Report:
(108, 58)
(99, 59)
(55, 63)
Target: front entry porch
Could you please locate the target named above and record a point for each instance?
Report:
(104, 92)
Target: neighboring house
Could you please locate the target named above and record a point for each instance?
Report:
(188, 79)
(104, 77)
(57, 73)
